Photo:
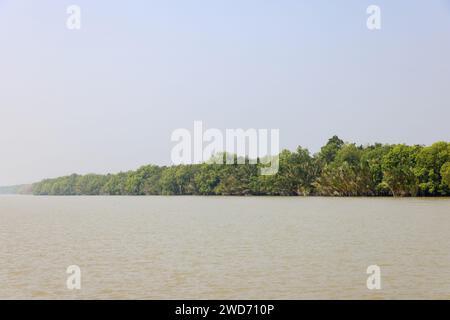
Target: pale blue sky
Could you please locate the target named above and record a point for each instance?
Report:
(107, 98)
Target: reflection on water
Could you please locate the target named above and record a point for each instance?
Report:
(223, 247)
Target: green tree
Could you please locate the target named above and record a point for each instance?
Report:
(328, 152)
(428, 168)
(207, 178)
(398, 170)
(115, 184)
(347, 174)
(297, 171)
(445, 173)
(372, 156)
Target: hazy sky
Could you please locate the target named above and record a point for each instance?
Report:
(106, 98)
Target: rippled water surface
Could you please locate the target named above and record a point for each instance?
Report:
(223, 247)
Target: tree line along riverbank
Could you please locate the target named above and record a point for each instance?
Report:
(339, 169)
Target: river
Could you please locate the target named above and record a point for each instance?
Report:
(224, 247)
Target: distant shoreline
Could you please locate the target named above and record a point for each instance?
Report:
(223, 196)
(338, 170)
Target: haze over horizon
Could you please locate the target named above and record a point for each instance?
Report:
(106, 98)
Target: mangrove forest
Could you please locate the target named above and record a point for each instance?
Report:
(338, 169)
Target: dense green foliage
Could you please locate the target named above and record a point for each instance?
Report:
(339, 169)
